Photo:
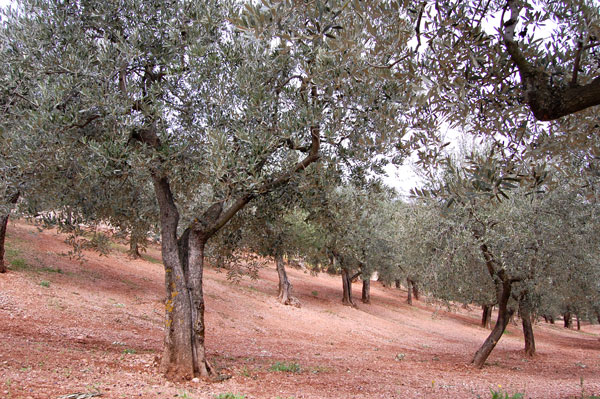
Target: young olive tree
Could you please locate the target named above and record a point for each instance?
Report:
(212, 103)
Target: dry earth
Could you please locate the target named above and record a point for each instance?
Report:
(67, 327)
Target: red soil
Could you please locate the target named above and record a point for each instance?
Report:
(97, 327)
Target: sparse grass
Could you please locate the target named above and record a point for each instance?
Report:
(128, 351)
(314, 293)
(504, 395)
(19, 264)
(229, 395)
(151, 259)
(285, 367)
(45, 283)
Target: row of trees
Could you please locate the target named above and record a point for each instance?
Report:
(190, 116)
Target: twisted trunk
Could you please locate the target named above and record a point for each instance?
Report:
(504, 314)
(347, 289)
(285, 287)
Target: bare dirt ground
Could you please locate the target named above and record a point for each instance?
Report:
(67, 327)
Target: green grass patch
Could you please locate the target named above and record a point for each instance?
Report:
(229, 395)
(45, 283)
(504, 395)
(19, 264)
(151, 259)
(285, 367)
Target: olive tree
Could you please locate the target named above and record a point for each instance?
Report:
(213, 104)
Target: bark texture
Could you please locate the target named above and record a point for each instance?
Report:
(525, 311)
(3, 226)
(504, 314)
(366, 290)
(347, 288)
(285, 287)
(486, 316)
(548, 100)
(568, 319)
(409, 291)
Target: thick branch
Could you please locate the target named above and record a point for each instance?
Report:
(546, 100)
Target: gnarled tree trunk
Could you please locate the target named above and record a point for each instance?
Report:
(347, 288)
(184, 353)
(486, 316)
(3, 227)
(409, 291)
(525, 311)
(366, 290)
(568, 319)
(504, 314)
(285, 287)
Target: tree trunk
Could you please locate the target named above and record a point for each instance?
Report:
(578, 322)
(409, 291)
(183, 354)
(568, 319)
(486, 317)
(525, 312)
(285, 287)
(366, 290)
(397, 283)
(504, 314)
(3, 226)
(598, 316)
(415, 289)
(551, 318)
(134, 249)
(347, 288)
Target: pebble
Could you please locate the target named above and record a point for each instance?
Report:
(196, 379)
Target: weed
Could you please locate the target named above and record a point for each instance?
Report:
(51, 270)
(129, 351)
(19, 264)
(314, 293)
(504, 395)
(229, 395)
(285, 367)
(45, 283)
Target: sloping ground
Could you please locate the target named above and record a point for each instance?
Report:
(68, 327)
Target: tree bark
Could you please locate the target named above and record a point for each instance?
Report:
(486, 317)
(525, 311)
(397, 283)
(134, 249)
(366, 290)
(504, 314)
(547, 100)
(578, 322)
(183, 353)
(409, 291)
(347, 289)
(3, 226)
(285, 287)
(568, 319)
(415, 289)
